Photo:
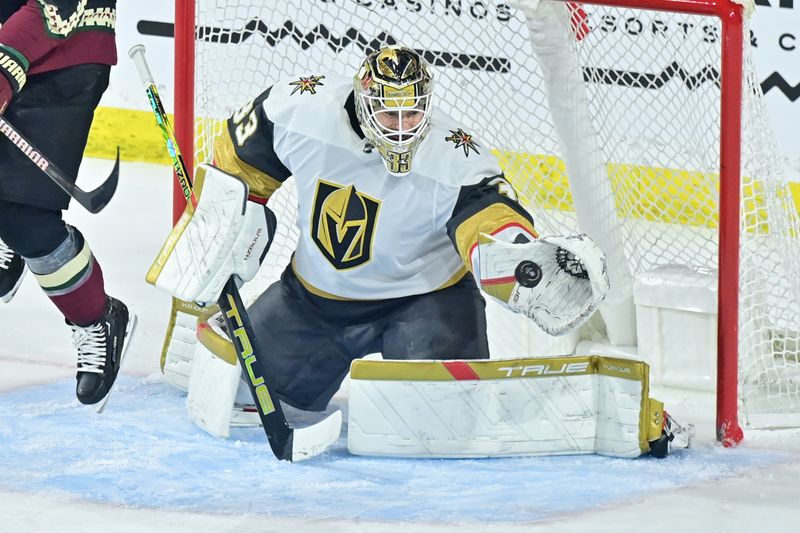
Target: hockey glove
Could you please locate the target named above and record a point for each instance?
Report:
(555, 281)
(13, 67)
(224, 235)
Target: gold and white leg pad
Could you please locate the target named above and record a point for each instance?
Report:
(218, 398)
(541, 406)
(180, 343)
(214, 382)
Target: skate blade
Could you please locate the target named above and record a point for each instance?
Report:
(126, 344)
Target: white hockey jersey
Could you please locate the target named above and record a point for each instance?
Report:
(364, 234)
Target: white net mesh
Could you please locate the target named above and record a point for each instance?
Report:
(615, 131)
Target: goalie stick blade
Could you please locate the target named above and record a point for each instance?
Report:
(312, 440)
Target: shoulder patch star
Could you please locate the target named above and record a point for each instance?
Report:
(462, 139)
(308, 84)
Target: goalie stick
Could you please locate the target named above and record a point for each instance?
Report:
(94, 201)
(287, 443)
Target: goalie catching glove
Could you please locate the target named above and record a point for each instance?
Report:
(555, 281)
(225, 235)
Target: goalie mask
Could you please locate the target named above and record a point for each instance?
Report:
(393, 96)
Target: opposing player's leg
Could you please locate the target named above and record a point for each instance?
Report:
(444, 324)
(65, 268)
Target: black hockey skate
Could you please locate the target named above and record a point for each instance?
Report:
(101, 347)
(12, 271)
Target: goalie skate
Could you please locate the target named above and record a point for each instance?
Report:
(673, 437)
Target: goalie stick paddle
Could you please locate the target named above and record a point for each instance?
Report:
(287, 443)
(94, 201)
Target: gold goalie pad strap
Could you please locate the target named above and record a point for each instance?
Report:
(486, 408)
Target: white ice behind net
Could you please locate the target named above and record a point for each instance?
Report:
(642, 94)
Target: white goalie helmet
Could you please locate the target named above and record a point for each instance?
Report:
(393, 103)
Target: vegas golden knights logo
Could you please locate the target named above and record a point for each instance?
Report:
(343, 224)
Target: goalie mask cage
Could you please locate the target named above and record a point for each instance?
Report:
(639, 122)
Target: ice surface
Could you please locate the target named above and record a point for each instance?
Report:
(142, 465)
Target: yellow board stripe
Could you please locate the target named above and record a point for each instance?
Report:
(135, 132)
(139, 139)
(673, 196)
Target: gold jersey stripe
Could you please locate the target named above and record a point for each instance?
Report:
(487, 220)
(455, 278)
(261, 184)
(312, 289)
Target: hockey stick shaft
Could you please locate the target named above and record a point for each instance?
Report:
(279, 433)
(137, 54)
(94, 201)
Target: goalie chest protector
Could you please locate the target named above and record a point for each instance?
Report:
(365, 233)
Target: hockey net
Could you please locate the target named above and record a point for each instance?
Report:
(618, 121)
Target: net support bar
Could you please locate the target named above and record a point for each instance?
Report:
(184, 93)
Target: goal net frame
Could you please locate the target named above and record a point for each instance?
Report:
(730, 15)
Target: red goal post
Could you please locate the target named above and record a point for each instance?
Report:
(732, 23)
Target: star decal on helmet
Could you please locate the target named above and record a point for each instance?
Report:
(308, 84)
(464, 140)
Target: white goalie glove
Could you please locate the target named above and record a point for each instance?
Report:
(225, 235)
(555, 281)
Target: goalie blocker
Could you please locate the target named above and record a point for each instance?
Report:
(489, 408)
(224, 235)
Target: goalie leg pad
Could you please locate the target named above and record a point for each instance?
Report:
(542, 406)
(177, 353)
(215, 378)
